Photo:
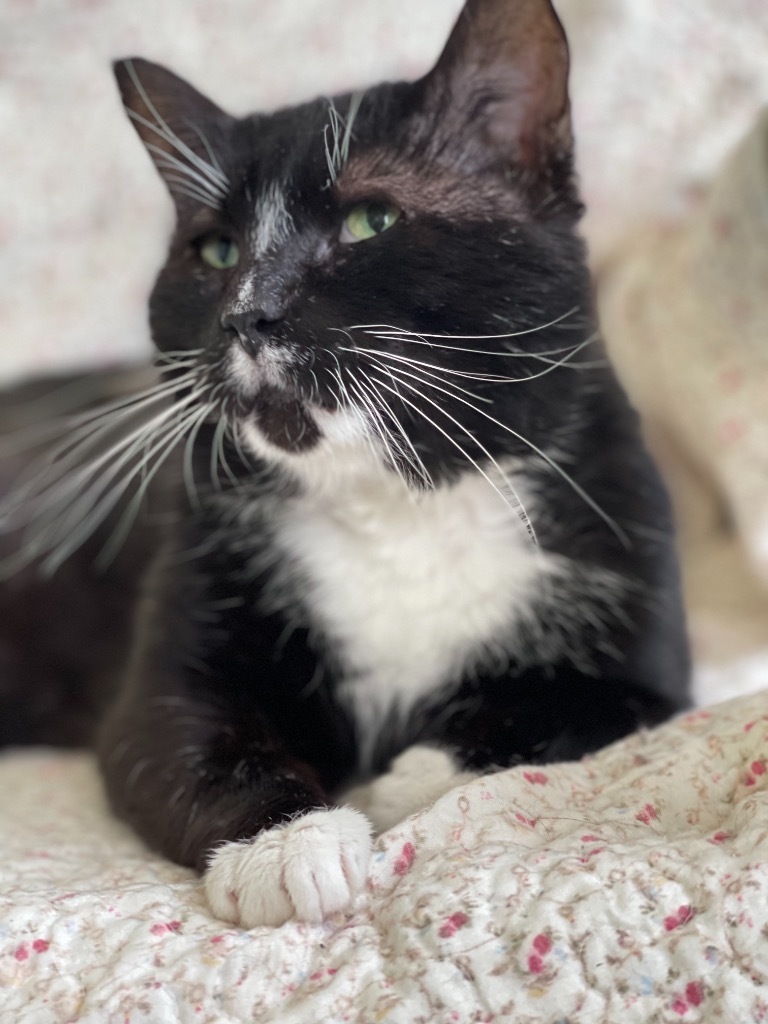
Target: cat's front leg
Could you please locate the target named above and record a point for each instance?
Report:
(221, 795)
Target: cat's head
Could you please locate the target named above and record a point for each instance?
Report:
(390, 275)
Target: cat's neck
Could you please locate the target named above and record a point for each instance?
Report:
(366, 501)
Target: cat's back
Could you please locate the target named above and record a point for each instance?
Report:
(63, 635)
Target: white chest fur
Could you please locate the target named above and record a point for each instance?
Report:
(410, 590)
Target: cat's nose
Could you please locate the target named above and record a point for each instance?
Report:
(251, 329)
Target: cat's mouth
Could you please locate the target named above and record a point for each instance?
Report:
(275, 411)
(267, 402)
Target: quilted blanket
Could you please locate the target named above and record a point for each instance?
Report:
(629, 888)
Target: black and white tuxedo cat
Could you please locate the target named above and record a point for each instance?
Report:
(424, 538)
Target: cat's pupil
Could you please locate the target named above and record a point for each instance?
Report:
(378, 217)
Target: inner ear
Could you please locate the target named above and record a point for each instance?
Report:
(503, 77)
(180, 128)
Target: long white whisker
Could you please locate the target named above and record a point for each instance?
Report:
(419, 464)
(364, 402)
(346, 398)
(389, 329)
(218, 455)
(348, 401)
(165, 445)
(53, 465)
(400, 335)
(177, 355)
(189, 451)
(520, 511)
(125, 447)
(234, 433)
(127, 519)
(482, 377)
(611, 523)
(391, 446)
(53, 478)
(415, 363)
(48, 526)
(336, 396)
(32, 436)
(67, 516)
(507, 353)
(84, 527)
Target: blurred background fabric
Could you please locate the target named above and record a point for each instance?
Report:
(662, 89)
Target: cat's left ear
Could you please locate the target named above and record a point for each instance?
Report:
(180, 128)
(502, 82)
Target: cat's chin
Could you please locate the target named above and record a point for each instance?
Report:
(276, 420)
(283, 420)
(323, 450)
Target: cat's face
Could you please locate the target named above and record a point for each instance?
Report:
(393, 273)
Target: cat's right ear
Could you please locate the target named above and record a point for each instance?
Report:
(180, 128)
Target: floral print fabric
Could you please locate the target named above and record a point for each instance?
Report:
(631, 887)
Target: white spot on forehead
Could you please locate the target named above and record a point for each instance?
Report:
(273, 222)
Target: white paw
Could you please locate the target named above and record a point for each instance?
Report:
(308, 869)
(418, 777)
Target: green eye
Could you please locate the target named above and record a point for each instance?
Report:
(369, 219)
(219, 252)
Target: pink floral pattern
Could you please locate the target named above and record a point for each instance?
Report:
(630, 887)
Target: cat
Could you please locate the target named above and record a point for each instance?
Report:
(432, 543)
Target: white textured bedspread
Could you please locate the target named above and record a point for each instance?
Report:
(629, 888)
